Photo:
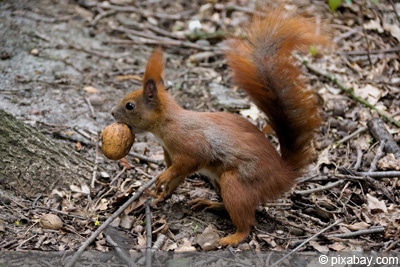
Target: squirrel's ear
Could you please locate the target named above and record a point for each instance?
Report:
(150, 92)
(155, 67)
(152, 80)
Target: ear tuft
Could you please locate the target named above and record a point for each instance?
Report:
(154, 67)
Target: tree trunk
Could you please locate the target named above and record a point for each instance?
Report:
(31, 163)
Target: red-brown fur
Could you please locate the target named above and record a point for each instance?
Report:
(244, 167)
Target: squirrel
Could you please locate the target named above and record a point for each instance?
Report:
(241, 163)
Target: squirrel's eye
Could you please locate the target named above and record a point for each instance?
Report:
(129, 106)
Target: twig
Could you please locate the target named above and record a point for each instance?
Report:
(382, 174)
(395, 10)
(96, 156)
(392, 245)
(132, 9)
(90, 107)
(108, 221)
(320, 188)
(5, 244)
(372, 230)
(26, 240)
(120, 252)
(346, 138)
(144, 158)
(83, 133)
(372, 182)
(160, 31)
(350, 91)
(150, 38)
(359, 158)
(361, 17)
(96, 53)
(250, 11)
(295, 225)
(118, 175)
(378, 155)
(395, 49)
(102, 15)
(305, 242)
(148, 234)
(299, 214)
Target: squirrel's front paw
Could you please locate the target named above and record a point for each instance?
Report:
(160, 192)
(157, 197)
(161, 184)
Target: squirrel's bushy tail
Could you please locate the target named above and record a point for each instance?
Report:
(264, 67)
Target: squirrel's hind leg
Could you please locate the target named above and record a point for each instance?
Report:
(240, 203)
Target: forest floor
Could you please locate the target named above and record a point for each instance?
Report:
(64, 64)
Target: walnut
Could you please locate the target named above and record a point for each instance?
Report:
(117, 140)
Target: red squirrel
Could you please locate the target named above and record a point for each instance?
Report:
(243, 166)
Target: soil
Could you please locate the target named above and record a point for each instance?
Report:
(65, 64)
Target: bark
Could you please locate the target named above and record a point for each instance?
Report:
(31, 163)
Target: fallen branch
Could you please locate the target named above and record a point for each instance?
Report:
(381, 134)
(149, 251)
(108, 221)
(380, 174)
(372, 230)
(120, 252)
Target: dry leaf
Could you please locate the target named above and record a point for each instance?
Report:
(324, 158)
(253, 112)
(394, 30)
(75, 188)
(375, 205)
(103, 205)
(318, 247)
(90, 89)
(357, 226)
(186, 246)
(85, 189)
(369, 92)
(141, 241)
(208, 240)
(84, 13)
(338, 246)
(129, 77)
(127, 221)
(374, 25)
(389, 162)
(200, 192)
(136, 204)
